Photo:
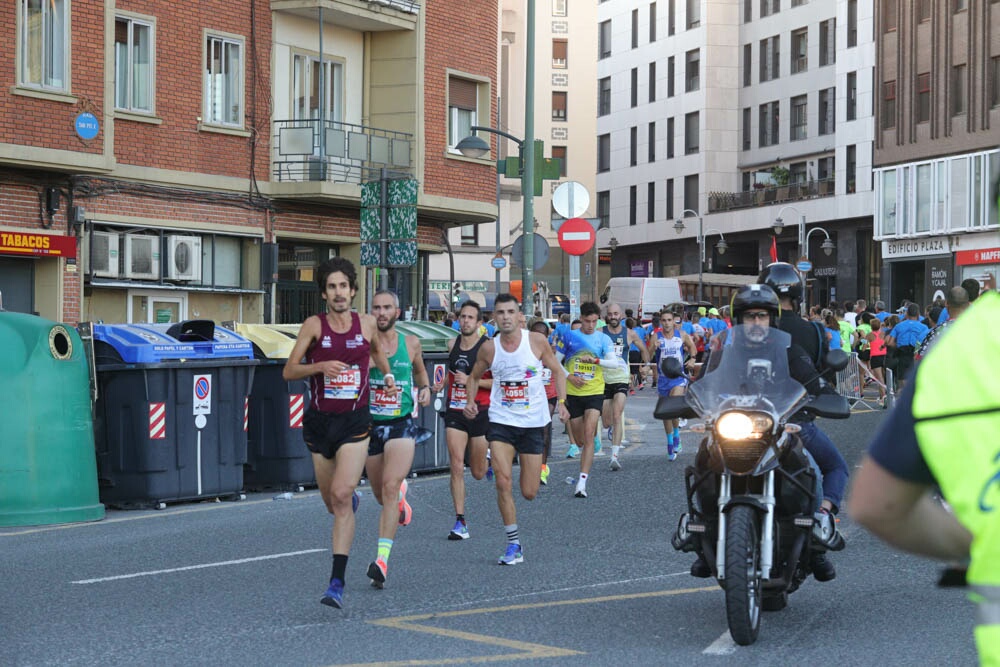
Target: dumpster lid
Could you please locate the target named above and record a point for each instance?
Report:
(273, 341)
(192, 339)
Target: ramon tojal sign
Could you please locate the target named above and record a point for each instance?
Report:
(18, 243)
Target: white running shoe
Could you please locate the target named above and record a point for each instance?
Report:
(615, 465)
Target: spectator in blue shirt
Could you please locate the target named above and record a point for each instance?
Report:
(905, 338)
(880, 312)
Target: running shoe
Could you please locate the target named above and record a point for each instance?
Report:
(572, 452)
(682, 423)
(489, 473)
(544, 477)
(405, 511)
(671, 452)
(377, 571)
(459, 532)
(597, 443)
(581, 488)
(355, 501)
(334, 596)
(512, 556)
(611, 432)
(677, 446)
(615, 465)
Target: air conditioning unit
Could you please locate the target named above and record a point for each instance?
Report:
(184, 260)
(142, 256)
(103, 254)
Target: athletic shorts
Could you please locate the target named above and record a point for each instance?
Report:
(475, 428)
(530, 440)
(325, 432)
(384, 431)
(634, 359)
(665, 384)
(577, 405)
(878, 361)
(615, 388)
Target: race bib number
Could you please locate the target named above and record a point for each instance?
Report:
(459, 397)
(585, 371)
(514, 395)
(546, 376)
(345, 386)
(384, 405)
(619, 349)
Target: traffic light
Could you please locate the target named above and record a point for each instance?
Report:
(456, 292)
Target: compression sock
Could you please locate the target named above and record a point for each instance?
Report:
(384, 548)
(512, 535)
(339, 567)
(615, 449)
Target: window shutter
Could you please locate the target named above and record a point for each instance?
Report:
(462, 94)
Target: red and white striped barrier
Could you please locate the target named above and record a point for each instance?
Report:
(295, 410)
(157, 421)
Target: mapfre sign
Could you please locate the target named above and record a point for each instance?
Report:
(46, 245)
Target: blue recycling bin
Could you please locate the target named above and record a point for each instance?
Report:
(171, 412)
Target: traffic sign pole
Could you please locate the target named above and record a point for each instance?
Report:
(574, 287)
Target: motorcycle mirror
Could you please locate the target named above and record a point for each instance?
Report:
(604, 298)
(672, 368)
(831, 406)
(836, 359)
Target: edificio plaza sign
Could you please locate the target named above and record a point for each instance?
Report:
(929, 245)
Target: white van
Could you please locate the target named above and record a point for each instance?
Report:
(644, 296)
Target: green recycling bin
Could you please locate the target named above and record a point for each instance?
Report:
(48, 469)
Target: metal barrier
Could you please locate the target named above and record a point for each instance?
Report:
(856, 376)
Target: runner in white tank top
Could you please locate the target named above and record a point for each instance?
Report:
(518, 410)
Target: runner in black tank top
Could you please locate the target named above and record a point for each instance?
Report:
(330, 351)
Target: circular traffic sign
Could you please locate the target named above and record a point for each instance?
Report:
(499, 263)
(804, 265)
(576, 236)
(571, 199)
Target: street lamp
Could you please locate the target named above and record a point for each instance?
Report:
(827, 246)
(720, 247)
(613, 244)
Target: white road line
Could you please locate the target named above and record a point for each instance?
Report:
(724, 645)
(240, 561)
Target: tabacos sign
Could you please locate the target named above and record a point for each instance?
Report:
(48, 245)
(931, 245)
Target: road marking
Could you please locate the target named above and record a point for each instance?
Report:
(238, 561)
(724, 645)
(525, 650)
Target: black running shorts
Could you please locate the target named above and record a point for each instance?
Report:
(325, 432)
(577, 405)
(529, 440)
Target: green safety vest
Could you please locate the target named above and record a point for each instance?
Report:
(956, 410)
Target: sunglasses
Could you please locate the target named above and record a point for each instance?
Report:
(756, 316)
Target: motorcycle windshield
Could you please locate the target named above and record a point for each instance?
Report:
(748, 370)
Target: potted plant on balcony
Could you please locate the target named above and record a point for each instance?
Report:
(780, 175)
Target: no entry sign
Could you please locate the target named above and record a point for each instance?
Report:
(576, 236)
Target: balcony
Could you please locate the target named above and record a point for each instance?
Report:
(361, 15)
(351, 154)
(775, 194)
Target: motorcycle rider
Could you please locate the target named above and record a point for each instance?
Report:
(784, 279)
(757, 307)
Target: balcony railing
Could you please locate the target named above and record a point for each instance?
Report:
(343, 153)
(775, 194)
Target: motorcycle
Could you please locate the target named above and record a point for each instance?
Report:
(752, 494)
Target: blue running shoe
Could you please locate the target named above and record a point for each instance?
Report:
(611, 432)
(489, 473)
(355, 501)
(512, 556)
(572, 452)
(334, 596)
(597, 443)
(677, 445)
(459, 532)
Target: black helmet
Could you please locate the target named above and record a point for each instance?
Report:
(754, 296)
(783, 279)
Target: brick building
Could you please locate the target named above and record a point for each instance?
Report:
(173, 160)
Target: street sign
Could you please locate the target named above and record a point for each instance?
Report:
(576, 236)
(499, 263)
(571, 199)
(541, 251)
(804, 265)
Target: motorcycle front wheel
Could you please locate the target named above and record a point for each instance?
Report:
(742, 583)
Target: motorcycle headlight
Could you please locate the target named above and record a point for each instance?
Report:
(743, 426)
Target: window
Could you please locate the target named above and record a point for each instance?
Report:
(827, 42)
(604, 209)
(959, 74)
(463, 105)
(770, 55)
(923, 10)
(746, 128)
(306, 89)
(852, 96)
(800, 51)
(650, 202)
(633, 204)
(994, 75)
(692, 65)
(825, 168)
(652, 81)
(691, 192)
(604, 152)
(827, 110)
(888, 15)
(888, 105)
(798, 3)
(692, 132)
(797, 172)
(923, 97)
(797, 128)
(747, 64)
(652, 22)
(224, 81)
(670, 199)
(634, 87)
(851, 170)
(651, 143)
(670, 137)
(635, 28)
(852, 23)
(747, 11)
(670, 76)
(44, 44)
(559, 7)
(671, 17)
(559, 53)
(559, 153)
(768, 124)
(768, 7)
(604, 39)
(960, 5)
(633, 146)
(559, 106)
(693, 13)
(604, 96)
(133, 65)
(470, 235)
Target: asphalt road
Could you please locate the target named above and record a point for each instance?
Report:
(240, 582)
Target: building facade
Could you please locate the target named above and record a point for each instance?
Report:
(937, 161)
(737, 113)
(174, 161)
